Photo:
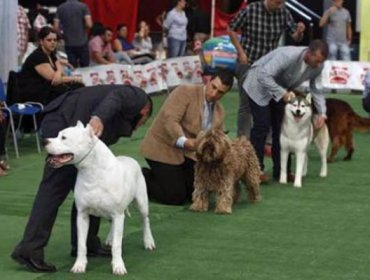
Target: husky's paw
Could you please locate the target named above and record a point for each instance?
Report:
(79, 266)
(118, 267)
(149, 243)
(323, 174)
(283, 180)
(296, 185)
(108, 242)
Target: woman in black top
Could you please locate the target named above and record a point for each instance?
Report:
(41, 78)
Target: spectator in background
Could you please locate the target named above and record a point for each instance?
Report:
(23, 28)
(100, 47)
(73, 19)
(142, 41)
(124, 48)
(339, 32)
(41, 18)
(176, 23)
(164, 42)
(41, 77)
(199, 27)
(366, 93)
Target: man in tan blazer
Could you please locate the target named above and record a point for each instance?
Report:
(169, 144)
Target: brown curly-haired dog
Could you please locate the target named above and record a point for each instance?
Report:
(221, 163)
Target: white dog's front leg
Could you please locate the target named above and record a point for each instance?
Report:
(118, 265)
(283, 166)
(82, 230)
(142, 202)
(299, 169)
(108, 240)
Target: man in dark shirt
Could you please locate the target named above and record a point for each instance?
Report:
(113, 111)
(74, 18)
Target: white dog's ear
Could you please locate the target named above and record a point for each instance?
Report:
(80, 124)
(309, 98)
(90, 130)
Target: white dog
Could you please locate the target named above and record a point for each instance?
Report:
(105, 187)
(296, 134)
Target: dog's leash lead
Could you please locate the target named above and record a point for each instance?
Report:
(85, 156)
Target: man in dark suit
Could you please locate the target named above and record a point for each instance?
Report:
(113, 111)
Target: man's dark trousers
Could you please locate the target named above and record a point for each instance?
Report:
(265, 117)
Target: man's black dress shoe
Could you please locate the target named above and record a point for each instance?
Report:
(101, 252)
(33, 264)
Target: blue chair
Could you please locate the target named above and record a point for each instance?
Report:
(20, 109)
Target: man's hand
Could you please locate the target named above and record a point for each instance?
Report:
(96, 125)
(301, 27)
(242, 57)
(332, 10)
(289, 95)
(320, 121)
(190, 144)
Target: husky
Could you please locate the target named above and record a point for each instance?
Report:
(297, 132)
(105, 186)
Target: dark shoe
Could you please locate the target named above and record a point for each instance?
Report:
(290, 177)
(4, 165)
(264, 178)
(101, 252)
(33, 264)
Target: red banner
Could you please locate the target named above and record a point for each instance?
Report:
(113, 12)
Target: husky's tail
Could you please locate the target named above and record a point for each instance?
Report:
(359, 124)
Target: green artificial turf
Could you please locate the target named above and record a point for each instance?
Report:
(318, 232)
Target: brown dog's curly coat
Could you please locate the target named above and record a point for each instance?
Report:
(221, 163)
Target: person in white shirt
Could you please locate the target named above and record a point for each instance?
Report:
(175, 23)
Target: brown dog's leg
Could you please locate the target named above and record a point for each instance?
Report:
(349, 146)
(200, 199)
(237, 190)
(251, 180)
(334, 149)
(224, 199)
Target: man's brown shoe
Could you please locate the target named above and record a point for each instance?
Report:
(264, 178)
(290, 177)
